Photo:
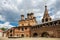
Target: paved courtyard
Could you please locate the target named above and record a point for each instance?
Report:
(4, 38)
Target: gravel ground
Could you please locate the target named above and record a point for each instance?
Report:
(4, 38)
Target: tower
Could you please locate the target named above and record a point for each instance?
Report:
(31, 15)
(22, 17)
(28, 16)
(46, 17)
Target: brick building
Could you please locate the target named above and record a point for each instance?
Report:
(28, 27)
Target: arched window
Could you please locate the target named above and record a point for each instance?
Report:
(59, 22)
(22, 24)
(55, 23)
(47, 24)
(41, 25)
(50, 19)
(46, 19)
(51, 23)
(22, 29)
(42, 20)
(25, 28)
(10, 31)
(22, 35)
(38, 26)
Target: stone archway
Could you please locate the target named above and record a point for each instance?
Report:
(35, 34)
(10, 35)
(45, 34)
(22, 35)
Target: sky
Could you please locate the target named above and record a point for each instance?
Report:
(10, 10)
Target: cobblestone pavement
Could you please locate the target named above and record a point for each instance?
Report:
(4, 38)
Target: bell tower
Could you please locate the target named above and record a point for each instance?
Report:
(46, 17)
(22, 17)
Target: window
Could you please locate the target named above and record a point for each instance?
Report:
(22, 35)
(51, 23)
(55, 23)
(47, 24)
(22, 24)
(40, 25)
(50, 19)
(59, 22)
(43, 24)
(22, 29)
(46, 19)
(25, 28)
(18, 28)
(10, 31)
(42, 20)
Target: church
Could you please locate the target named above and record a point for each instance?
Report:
(28, 27)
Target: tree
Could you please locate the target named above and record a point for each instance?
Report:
(3, 29)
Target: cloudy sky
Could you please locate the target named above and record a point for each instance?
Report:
(10, 10)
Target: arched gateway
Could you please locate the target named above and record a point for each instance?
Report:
(45, 34)
(35, 34)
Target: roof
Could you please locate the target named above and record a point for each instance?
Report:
(1, 30)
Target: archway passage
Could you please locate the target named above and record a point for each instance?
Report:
(35, 35)
(45, 34)
(22, 35)
(11, 35)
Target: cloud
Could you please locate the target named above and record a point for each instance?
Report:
(19, 1)
(2, 18)
(10, 10)
(6, 25)
(57, 15)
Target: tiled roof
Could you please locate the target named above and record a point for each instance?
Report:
(1, 30)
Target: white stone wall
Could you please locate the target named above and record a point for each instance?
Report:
(0, 34)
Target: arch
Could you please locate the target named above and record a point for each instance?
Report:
(46, 19)
(35, 34)
(45, 34)
(59, 22)
(22, 35)
(10, 31)
(51, 23)
(55, 22)
(11, 35)
(50, 19)
(42, 20)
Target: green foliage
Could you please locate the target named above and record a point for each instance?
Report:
(3, 29)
